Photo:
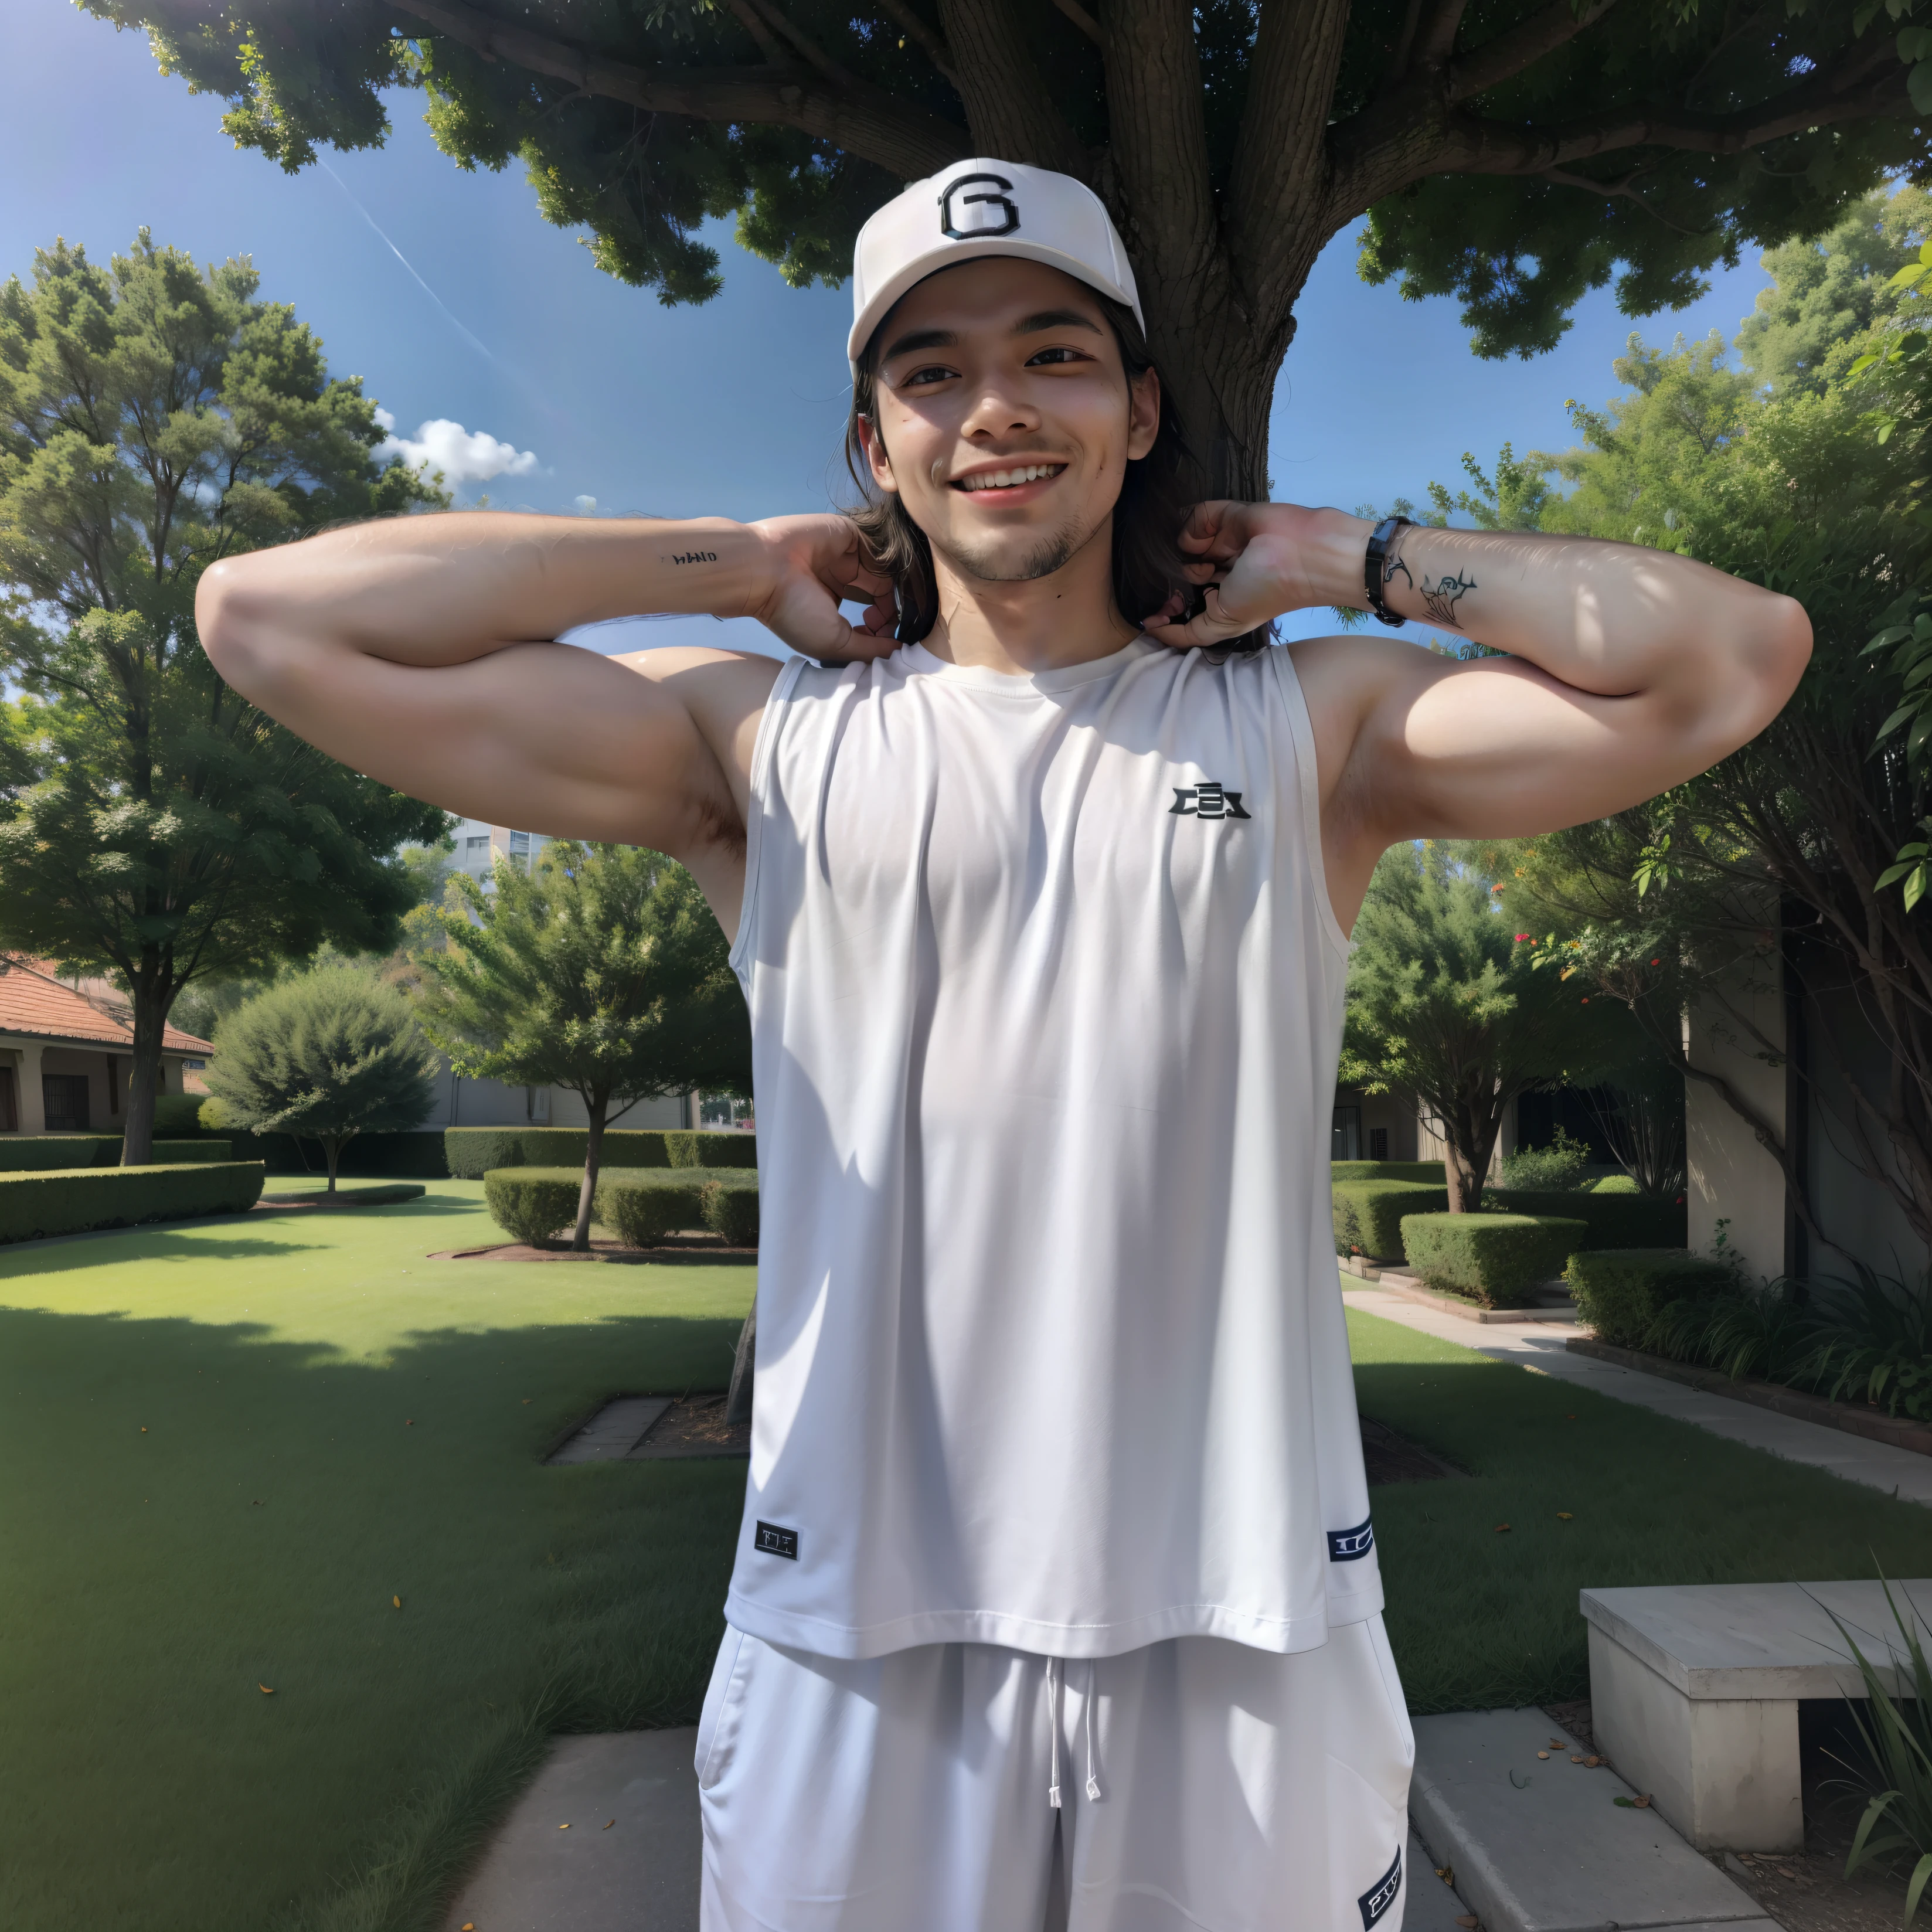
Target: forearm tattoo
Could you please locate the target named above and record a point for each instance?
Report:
(1441, 597)
(1391, 563)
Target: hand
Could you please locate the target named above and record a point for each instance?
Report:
(1258, 560)
(815, 564)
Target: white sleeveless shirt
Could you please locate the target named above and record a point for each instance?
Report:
(1046, 999)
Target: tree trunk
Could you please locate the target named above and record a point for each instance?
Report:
(332, 1145)
(738, 1403)
(1469, 1131)
(150, 1017)
(598, 1105)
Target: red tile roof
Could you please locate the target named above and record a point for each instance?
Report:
(32, 1000)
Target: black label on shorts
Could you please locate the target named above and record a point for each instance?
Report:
(1381, 1894)
(776, 1542)
(1345, 1545)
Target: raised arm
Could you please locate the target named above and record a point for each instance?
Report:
(422, 650)
(1630, 671)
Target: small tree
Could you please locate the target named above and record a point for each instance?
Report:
(600, 970)
(331, 1053)
(1444, 1003)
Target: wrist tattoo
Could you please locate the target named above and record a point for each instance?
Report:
(1391, 564)
(1442, 596)
(694, 557)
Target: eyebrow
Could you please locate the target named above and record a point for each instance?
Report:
(1042, 320)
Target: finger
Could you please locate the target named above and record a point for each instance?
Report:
(1209, 523)
(1215, 625)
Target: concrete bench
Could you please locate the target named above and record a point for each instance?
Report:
(1694, 1691)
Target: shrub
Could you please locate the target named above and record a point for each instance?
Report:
(1368, 1213)
(178, 1114)
(1612, 1220)
(1617, 1183)
(1557, 1169)
(1622, 1291)
(19, 1153)
(66, 1200)
(200, 1153)
(731, 1204)
(711, 1147)
(531, 1204)
(377, 1194)
(1493, 1258)
(1873, 1341)
(640, 1206)
(471, 1152)
(1387, 1170)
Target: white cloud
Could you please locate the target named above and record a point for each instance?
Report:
(464, 456)
(585, 506)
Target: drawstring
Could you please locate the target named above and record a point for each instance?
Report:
(1092, 1777)
(1056, 1686)
(1055, 1677)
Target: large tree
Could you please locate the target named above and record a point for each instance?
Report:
(1514, 152)
(155, 417)
(599, 968)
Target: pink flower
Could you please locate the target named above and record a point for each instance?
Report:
(1521, 937)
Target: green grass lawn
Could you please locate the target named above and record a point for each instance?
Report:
(228, 1449)
(1479, 1617)
(331, 1421)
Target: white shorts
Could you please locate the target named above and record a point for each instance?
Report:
(1203, 1786)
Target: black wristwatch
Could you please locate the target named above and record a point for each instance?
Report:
(1372, 566)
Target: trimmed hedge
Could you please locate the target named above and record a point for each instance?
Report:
(532, 1204)
(375, 1194)
(1612, 1220)
(68, 1201)
(641, 1205)
(729, 1201)
(471, 1152)
(1620, 1291)
(1493, 1258)
(1369, 1214)
(1387, 1170)
(410, 1155)
(26, 1154)
(1617, 1183)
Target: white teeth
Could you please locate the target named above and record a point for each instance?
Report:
(1005, 479)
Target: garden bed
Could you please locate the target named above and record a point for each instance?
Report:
(698, 1245)
(1873, 1423)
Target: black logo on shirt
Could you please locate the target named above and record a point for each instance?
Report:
(1381, 1894)
(975, 211)
(776, 1542)
(1206, 800)
(1345, 1545)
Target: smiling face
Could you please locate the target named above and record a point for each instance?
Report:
(1004, 418)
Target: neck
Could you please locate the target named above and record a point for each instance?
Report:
(1044, 623)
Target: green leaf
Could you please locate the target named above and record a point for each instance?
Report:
(1921, 1872)
(1915, 887)
(1918, 86)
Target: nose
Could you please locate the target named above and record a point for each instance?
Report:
(995, 414)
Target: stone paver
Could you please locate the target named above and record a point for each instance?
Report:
(614, 1431)
(1541, 1845)
(1878, 1465)
(639, 1874)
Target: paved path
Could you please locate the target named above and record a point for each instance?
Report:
(1537, 1345)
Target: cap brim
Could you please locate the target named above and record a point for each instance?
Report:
(951, 255)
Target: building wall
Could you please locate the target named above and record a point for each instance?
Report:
(462, 1102)
(1731, 1177)
(106, 1075)
(1359, 1117)
(478, 846)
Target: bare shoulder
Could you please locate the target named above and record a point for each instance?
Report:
(724, 692)
(1343, 679)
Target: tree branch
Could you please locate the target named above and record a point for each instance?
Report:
(934, 45)
(1521, 46)
(1008, 107)
(748, 18)
(802, 44)
(1081, 18)
(1437, 40)
(855, 116)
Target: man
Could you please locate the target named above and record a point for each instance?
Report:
(1055, 1598)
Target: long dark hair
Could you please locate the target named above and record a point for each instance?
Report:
(1158, 491)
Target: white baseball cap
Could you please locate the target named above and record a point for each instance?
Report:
(978, 208)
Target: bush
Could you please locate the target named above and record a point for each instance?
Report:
(1622, 1291)
(1368, 1213)
(411, 1153)
(1387, 1170)
(200, 1153)
(1557, 1169)
(1617, 1183)
(1493, 1258)
(640, 1206)
(471, 1152)
(1612, 1220)
(730, 1205)
(531, 1204)
(177, 1114)
(66, 1200)
(376, 1194)
(19, 1153)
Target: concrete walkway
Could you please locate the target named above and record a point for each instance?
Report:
(1539, 1346)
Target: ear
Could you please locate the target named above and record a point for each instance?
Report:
(876, 461)
(1143, 414)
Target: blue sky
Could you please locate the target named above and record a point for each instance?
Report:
(735, 408)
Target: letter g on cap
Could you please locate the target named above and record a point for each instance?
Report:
(977, 211)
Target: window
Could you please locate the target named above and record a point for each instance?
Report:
(536, 1105)
(1378, 1144)
(1345, 1139)
(64, 1096)
(478, 842)
(9, 1106)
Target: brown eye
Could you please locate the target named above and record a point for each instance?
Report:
(924, 378)
(1048, 357)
